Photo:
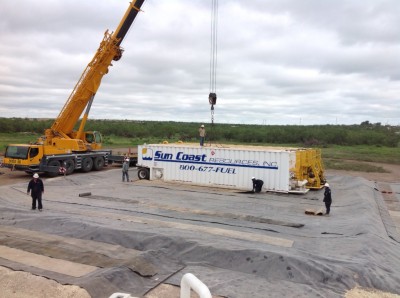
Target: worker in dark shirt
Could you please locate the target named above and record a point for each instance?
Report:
(36, 189)
(327, 198)
(257, 184)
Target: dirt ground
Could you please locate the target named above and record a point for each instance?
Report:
(8, 177)
(392, 175)
(22, 284)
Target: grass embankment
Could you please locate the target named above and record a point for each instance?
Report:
(358, 158)
(16, 138)
(348, 158)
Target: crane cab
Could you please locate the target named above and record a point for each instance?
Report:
(93, 139)
(23, 157)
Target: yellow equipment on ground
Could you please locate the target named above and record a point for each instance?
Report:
(309, 166)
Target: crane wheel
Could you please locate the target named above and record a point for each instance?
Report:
(98, 163)
(55, 164)
(70, 166)
(87, 164)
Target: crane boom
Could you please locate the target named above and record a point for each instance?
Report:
(127, 20)
(90, 80)
(62, 150)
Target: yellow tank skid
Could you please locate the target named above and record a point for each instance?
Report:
(309, 166)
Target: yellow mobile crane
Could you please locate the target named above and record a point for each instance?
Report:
(62, 147)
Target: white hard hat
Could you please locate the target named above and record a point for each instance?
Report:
(252, 178)
(36, 175)
(326, 185)
(202, 125)
(126, 159)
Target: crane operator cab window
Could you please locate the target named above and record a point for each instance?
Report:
(89, 137)
(98, 138)
(93, 137)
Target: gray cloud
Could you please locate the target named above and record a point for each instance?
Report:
(279, 61)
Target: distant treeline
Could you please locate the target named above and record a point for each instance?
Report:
(365, 133)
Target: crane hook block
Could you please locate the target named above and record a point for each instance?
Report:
(212, 98)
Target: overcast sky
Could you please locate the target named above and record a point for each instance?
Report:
(279, 61)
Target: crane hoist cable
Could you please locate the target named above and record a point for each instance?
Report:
(212, 97)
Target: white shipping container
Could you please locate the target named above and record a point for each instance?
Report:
(228, 167)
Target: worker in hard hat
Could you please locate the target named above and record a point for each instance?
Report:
(36, 189)
(202, 133)
(327, 198)
(257, 184)
(125, 169)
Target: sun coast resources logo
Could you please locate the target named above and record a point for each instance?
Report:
(180, 156)
(184, 157)
(242, 162)
(147, 154)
